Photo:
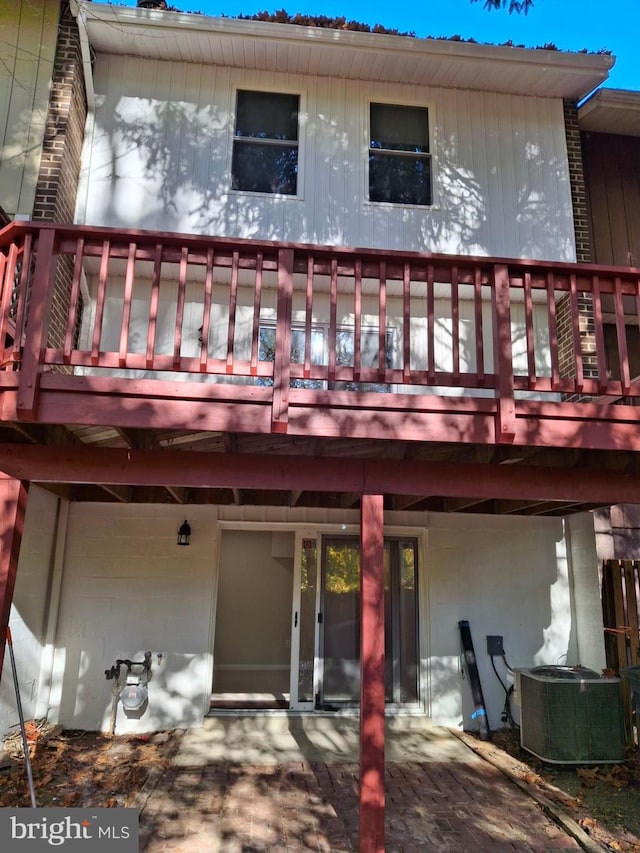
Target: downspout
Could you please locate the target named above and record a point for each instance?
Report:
(85, 49)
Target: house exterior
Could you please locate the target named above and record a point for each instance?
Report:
(329, 299)
(42, 118)
(610, 126)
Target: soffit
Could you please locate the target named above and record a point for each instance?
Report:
(611, 111)
(340, 53)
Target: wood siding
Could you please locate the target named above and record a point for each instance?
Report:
(27, 51)
(160, 157)
(613, 182)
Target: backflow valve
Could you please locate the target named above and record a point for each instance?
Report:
(133, 693)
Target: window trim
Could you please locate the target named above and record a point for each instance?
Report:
(233, 111)
(397, 102)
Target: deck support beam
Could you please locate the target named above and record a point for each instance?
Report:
(13, 504)
(111, 466)
(372, 792)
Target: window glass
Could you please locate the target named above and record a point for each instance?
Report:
(265, 144)
(399, 158)
(345, 342)
(340, 626)
(267, 349)
(400, 128)
(267, 115)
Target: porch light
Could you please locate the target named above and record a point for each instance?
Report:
(184, 533)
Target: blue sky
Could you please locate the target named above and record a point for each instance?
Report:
(569, 24)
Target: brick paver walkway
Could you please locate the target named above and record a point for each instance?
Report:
(444, 807)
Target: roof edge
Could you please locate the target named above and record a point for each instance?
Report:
(615, 111)
(587, 63)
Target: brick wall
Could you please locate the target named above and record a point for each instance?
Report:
(64, 131)
(584, 251)
(57, 185)
(584, 254)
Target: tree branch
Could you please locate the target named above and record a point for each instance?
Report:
(513, 5)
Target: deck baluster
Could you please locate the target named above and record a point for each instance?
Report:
(37, 321)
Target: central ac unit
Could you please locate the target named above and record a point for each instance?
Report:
(570, 715)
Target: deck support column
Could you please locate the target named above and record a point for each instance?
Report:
(13, 503)
(372, 792)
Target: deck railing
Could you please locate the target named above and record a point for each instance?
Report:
(317, 319)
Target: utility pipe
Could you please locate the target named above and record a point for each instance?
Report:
(25, 745)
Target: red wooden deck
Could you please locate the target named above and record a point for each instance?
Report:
(553, 392)
(490, 353)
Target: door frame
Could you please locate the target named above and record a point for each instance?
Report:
(391, 536)
(318, 530)
(296, 704)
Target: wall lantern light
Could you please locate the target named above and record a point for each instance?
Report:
(184, 533)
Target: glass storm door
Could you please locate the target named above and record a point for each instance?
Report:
(304, 638)
(339, 622)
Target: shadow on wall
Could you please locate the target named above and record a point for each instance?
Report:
(29, 617)
(176, 694)
(127, 589)
(514, 582)
(161, 155)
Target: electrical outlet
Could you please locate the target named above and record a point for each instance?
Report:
(495, 645)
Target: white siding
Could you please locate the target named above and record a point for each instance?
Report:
(27, 48)
(160, 158)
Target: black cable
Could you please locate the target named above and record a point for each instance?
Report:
(508, 693)
(504, 658)
(493, 664)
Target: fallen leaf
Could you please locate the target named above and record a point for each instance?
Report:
(587, 776)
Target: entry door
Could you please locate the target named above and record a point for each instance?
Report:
(339, 622)
(252, 650)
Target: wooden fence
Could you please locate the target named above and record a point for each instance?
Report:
(621, 603)
(621, 612)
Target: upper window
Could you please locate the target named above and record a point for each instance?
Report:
(265, 143)
(399, 158)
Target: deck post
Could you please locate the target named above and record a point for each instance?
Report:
(36, 322)
(503, 356)
(372, 792)
(282, 355)
(13, 503)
